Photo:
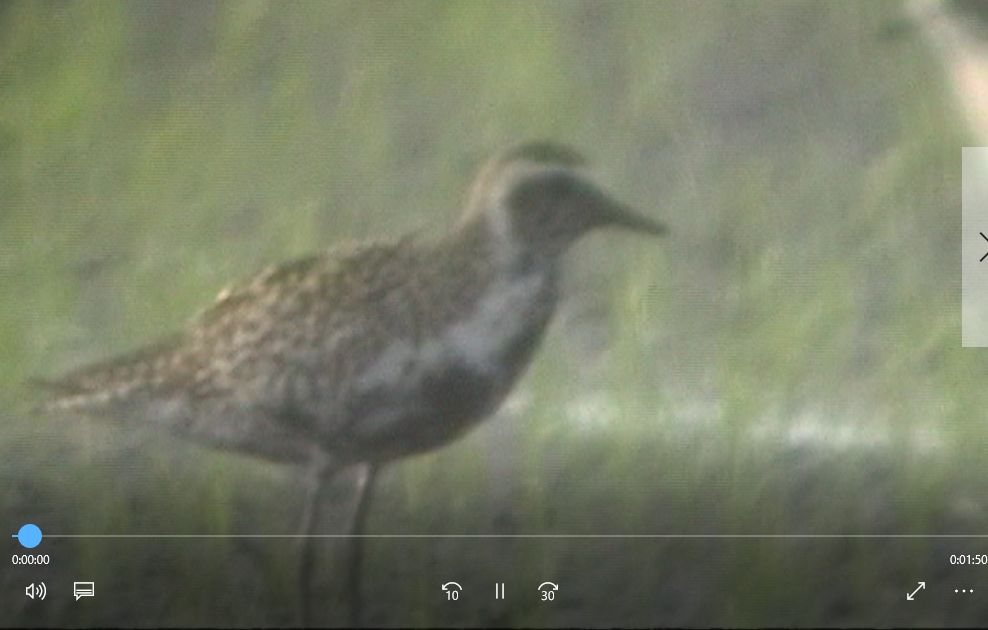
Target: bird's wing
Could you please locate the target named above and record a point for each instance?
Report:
(291, 338)
(274, 321)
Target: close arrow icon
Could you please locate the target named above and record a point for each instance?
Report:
(986, 238)
(909, 596)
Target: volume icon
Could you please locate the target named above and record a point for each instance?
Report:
(38, 590)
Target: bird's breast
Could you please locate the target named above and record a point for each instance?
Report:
(417, 396)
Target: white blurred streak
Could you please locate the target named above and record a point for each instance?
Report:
(958, 30)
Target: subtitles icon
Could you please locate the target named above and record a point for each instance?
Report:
(83, 589)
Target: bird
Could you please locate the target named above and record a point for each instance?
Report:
(364, 354)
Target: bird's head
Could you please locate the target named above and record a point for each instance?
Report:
(534, 195)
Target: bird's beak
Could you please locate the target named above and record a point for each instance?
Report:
(620, 215)
(606, 211)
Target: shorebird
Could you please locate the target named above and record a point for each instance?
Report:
(361, 356)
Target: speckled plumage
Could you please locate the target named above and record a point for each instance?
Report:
(363, 355)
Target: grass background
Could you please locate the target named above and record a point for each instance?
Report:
(788, 361)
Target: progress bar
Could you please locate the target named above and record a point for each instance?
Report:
(516, 535)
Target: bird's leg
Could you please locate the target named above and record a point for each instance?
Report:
(321, 471)
(364, 487)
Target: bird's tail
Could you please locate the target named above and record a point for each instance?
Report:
(99, 386)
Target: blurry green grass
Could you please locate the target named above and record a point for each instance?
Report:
(124, 213)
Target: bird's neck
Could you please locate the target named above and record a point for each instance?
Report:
(509, 291)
